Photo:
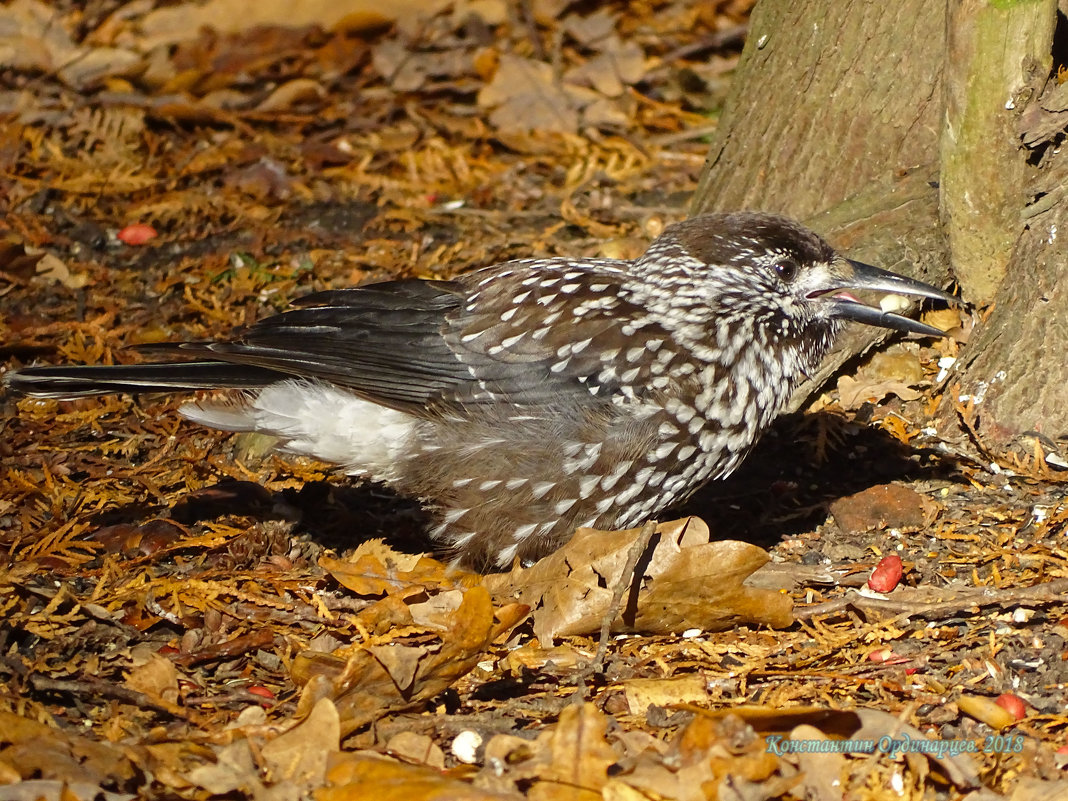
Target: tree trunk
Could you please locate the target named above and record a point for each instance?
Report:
(996, 55)
(913, 136)
(1013, 376)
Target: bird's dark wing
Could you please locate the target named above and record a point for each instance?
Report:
(382, 340)
(530, 332)
(525, 332)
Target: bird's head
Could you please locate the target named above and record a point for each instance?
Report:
(778, 278)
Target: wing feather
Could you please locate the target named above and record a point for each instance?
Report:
(509, 333)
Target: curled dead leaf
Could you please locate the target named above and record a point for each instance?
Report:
(292, 93)
(53, 270)
(367, 680)
(886, 733)
(374, 570)
(524, 96)
(299, 755)
(685, 581)
(364, 775)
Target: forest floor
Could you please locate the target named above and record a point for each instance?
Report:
(186, 614)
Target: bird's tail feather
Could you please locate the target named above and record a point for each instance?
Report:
(78, 381)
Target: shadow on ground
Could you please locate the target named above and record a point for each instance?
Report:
(801, 466)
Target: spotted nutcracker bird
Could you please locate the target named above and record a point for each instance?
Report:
(532, 397)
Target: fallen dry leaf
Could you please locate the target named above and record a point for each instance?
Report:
(234, 770)
(1029, 789)
(365, 681)
(412, 747)
(570, 761)
(852, 393)
(524, 96)
(575, 762)
(732, 752)
(155, 676)
(893, 372)
(578, 756)
(687, 689)
(33, 39)
(52, 269)
(358, 776)
(821, 769)
(170, 24)
(36, 750)
(374, 570)
(299, 756)
(617, 66)
(686, 581)
(856, 724)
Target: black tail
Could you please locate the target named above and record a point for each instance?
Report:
(72, 382)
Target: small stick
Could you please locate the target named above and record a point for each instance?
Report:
(626, 580)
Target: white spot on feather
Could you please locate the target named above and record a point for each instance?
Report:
(562, 506)
(587, 485)
(665, 450)
(461, 540)
(540, 489)
(524, 531)
(453, 515)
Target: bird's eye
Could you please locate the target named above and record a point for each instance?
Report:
(787, 269)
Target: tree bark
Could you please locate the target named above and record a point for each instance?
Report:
(995, 52)
(1014, 373)
(830, 99)
(913, 136)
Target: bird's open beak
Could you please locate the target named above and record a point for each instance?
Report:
(867, 278)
